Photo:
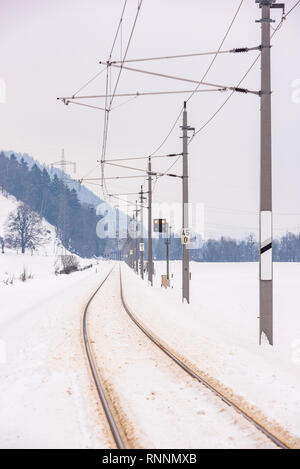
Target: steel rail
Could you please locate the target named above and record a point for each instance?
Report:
(194, 375)
(101, 392)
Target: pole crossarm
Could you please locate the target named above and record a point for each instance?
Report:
(197, 54)
(67, 99)
(108, 178)
(172, 77)
(127, 193)
(142, 157)
(153, 173)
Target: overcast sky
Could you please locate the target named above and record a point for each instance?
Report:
(50, 48)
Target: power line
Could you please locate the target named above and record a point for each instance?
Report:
(89, 81)
(244, 76)
(290, 11)
(106, 120)
(118, 29)
(203, 77)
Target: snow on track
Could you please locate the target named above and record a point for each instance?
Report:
(158, 405)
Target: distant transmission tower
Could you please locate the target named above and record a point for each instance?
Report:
(62, 165)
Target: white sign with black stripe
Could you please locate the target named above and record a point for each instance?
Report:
(266, 264)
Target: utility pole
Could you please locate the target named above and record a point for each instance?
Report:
(265, 221)
(118, 232)
(132, 243)
(136, 240)
(185, 211)
(142, 198)
(150, 261)
(168, 240)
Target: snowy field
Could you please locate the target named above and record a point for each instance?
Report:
(46, 393)
(218, 331)
(47, 399)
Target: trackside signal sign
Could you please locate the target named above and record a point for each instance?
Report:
(159, 225)
(185, 236)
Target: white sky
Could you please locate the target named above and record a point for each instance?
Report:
(49, 48)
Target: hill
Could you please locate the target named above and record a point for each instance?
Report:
(74, 221)
(85, 196)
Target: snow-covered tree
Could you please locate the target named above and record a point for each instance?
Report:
(24, 228)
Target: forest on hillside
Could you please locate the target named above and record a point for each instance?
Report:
(50, 198)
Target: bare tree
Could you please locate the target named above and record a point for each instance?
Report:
(24, 228)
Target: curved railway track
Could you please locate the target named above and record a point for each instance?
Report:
(116, 431)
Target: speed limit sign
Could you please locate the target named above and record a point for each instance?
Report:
(185, 236)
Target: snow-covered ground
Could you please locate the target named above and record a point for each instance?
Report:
(218, 331)
(47, 399)
(158, 404)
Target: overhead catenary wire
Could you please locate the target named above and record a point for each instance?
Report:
(244, 76)
(112, 48)
(238, 85)
(118, 29)
(197, 87)
(106, 120)
(89, 81)
(290, 11)
(124, 58)
(203, 77)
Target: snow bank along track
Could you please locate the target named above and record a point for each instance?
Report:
(117, 432)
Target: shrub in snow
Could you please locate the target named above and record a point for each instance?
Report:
(9, 280)
(25, 275)
(70, 264)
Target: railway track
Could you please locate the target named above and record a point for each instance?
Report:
(115, 427)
